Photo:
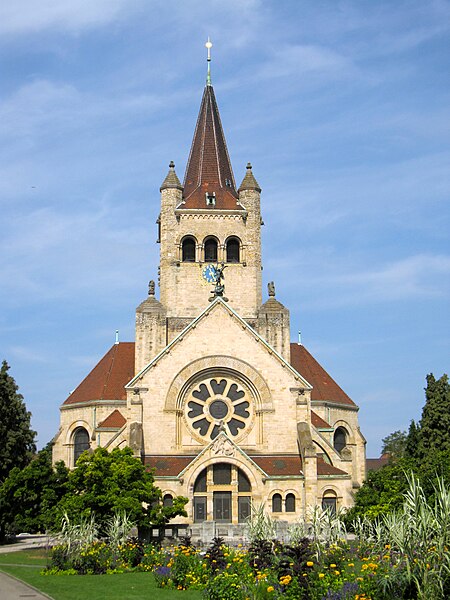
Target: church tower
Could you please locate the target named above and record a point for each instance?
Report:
(208, 221)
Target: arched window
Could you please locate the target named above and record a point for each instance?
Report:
(329, 501)
(188, 250)
(80, 443)
(168, 500)
(233, 250)
(340, 439)
(276, 503)
(211, 250)
(290, 503)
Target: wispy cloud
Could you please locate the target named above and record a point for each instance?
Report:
(28, 16)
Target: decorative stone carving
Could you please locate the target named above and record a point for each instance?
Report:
(151, 288)
(271, 288)
(223, 447)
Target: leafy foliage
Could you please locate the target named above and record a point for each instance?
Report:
(29, 496)
(16, 436)
(435, 422)
(105, 483)
(425, 450)
(394, 444)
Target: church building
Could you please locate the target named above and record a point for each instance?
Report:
(213, 395)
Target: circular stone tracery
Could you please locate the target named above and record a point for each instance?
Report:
(215, 403)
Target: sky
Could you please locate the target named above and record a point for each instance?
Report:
(341, 106)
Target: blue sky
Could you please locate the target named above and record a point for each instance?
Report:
(341, 106)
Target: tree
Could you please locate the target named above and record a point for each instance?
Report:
(28, 497)
(412, 441)
(435, 422)
(107, 482)
(16, 437)
(394, 444)
(382, 491)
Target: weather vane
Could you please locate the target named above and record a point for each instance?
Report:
(208, 45)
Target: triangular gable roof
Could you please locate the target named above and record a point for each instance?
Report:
(318, 422)
(106, 380)
(325, 388)
(237, 449)
(218, 302)
(115, 420)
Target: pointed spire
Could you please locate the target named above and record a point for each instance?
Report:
(208, 171)
(249, 182)
(171, 180)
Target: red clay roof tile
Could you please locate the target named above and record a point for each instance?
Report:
(166, 466)
(324, 387)
(319, 422)
(107, 379)
(115, 420)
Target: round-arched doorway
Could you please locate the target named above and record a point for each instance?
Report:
(222, 493)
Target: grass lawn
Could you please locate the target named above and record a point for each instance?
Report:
(133, 586)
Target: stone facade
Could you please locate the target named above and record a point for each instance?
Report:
(213, 395)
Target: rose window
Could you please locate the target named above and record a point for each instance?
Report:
(217, 403)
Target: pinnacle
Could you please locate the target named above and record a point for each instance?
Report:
(249, 182)
(171, 180)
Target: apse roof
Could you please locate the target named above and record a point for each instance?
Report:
(107, 379)
(325, 389)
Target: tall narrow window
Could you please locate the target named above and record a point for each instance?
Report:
(329, 501)
(340, 439)
(290, 503)
(168, 500)
(276, 503)
(80, 443)
(188, 250)
(233, 250)
(210, 250)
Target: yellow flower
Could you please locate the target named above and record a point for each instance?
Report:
(310, 563)
(270, 588)
(332, 566)
(337, 572)
(321, 575)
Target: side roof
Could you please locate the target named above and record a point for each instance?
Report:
(107, 379)
(325, 389)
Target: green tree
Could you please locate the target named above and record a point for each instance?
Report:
(412, 441)
(107, 482)
(382, 491)
(28, 496)
(394, 444)
(435, 422)
(16, 437)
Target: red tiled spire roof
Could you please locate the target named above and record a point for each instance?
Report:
(325, 389)
(107, 379)
(209, 168)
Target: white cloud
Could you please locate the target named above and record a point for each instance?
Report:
(29, 16)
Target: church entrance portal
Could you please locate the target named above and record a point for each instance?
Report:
(222, 493)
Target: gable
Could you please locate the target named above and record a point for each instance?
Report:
(219, 330)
